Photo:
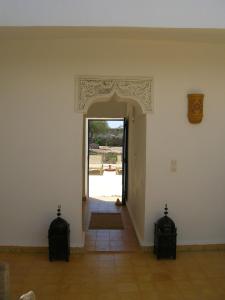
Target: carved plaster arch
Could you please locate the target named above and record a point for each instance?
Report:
(93, 89)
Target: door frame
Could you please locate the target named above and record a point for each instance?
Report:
(125, 162)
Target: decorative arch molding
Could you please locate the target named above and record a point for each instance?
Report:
(96, 88)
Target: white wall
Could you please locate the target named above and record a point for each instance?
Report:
(195, 193)
(40, 144)
(137, 170)
(126, 13)
(41, 135)
(108, 109)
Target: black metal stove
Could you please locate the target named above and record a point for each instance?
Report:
(59, 238)
(165, 237)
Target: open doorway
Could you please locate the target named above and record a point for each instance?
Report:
(120, 97)
(106, 237)
(108, 226)
(107, 159)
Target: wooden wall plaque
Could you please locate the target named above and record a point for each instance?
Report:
(195, 108)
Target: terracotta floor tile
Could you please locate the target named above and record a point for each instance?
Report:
(102, 238)
(127, 287)
(78, 296)
(146, 286)
(102, 245)
(126, 237)
(110, 295)
(129, 295)
(117, 276)
(114, 267)
(149, 295)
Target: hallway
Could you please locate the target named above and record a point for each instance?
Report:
(123, 240)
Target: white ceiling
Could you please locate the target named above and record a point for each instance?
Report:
(121, 13)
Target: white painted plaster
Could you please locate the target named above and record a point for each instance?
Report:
(41, 135)
(137, 163)
(107, 109)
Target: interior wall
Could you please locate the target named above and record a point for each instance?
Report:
(41, 139)
(136, 169)
(41, 134)
(195, 191)
(109, 109)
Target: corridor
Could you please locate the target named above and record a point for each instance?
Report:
(121, 240)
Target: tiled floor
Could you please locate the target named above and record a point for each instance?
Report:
(120, 276)
(111, 275)
(109, 240)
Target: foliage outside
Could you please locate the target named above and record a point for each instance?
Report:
(101, 135)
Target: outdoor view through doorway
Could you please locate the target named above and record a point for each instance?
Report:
(105, 159)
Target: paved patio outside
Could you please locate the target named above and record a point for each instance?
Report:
(108, 184)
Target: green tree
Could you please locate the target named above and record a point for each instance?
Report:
(97, 127)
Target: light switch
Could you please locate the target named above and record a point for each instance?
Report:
(173, 165)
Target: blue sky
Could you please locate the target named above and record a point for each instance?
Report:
(115, 124)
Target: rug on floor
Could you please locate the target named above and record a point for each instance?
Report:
(101, 220)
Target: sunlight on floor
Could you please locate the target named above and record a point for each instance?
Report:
(108, 184)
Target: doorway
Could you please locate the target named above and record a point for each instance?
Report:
(119, 97)
(107, 181)
(133, 192)
(107, 163)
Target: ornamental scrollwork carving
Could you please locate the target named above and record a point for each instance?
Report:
(91, 89)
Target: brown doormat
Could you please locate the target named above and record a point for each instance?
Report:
(101, 220)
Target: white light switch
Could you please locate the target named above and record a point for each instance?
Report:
(173, 165)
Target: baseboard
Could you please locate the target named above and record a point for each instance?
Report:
(192, 248)
(23, 249)
(34, 250)
(79, 247)
(203, 247)
(74, 250)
